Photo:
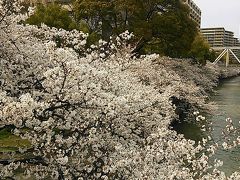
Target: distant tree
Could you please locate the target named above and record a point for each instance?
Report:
(174, 31)
(200, 50)
(161, 26)
(53, 15)
(97, 15)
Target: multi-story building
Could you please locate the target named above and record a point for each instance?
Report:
(195, 11)
(219, 37)
(236, 42)
(228, 38)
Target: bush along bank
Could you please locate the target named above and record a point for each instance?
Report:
(204, 78)
(229, 72)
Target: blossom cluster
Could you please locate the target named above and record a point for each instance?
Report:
(91, 114)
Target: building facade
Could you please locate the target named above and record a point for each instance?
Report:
(195, 11)
(236, 42)
(219, 37)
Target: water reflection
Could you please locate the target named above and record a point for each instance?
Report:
(189, 130)
(227, 98)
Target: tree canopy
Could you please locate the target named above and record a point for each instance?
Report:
(200, 50)
(53, 15)
(161, 26)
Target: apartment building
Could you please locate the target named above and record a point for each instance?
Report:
(219, 37)
(195, 11)
(236, 42)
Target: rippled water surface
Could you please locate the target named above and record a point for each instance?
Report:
(227, 98)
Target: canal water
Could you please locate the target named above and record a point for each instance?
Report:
(227, 98)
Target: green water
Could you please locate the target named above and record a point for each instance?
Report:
(227, 98)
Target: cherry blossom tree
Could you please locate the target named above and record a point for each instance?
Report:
(97, 113)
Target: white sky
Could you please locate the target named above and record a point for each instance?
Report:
(221, 13)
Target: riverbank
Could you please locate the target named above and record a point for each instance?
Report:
(228, 106)
(228, 72)
(202, 78)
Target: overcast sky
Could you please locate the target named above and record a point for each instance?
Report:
(221, 13)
